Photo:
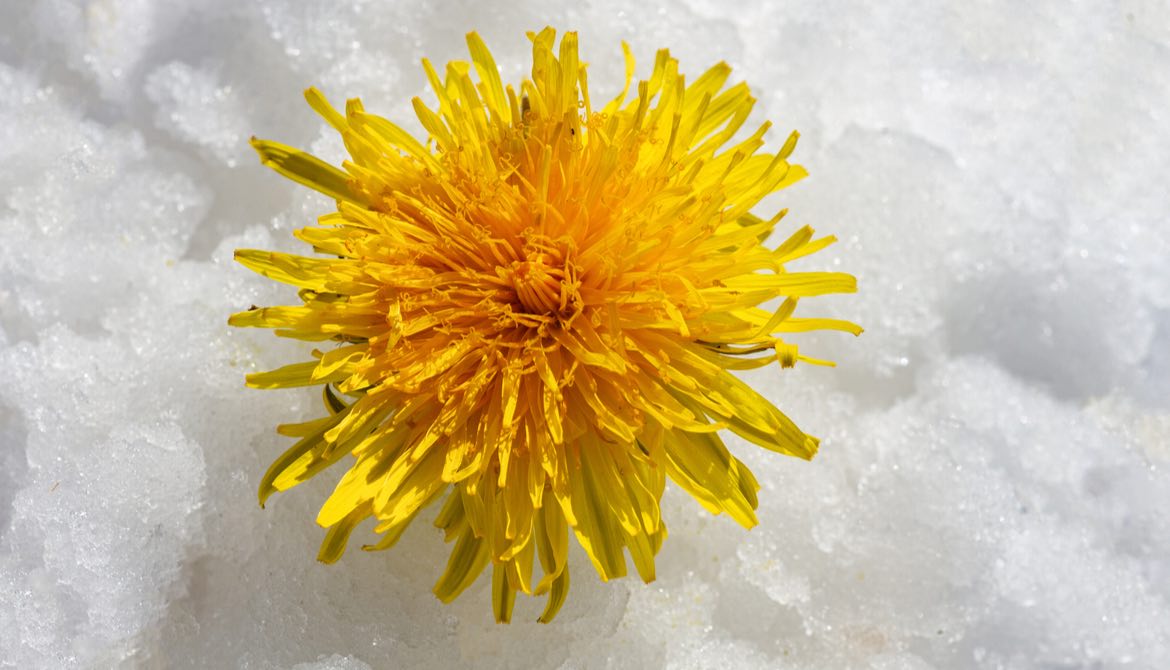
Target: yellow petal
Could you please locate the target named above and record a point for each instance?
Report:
(595, 528)
(306, 169)
(293, 465)
(701, 465)
(557, 592)
(552, 544)
(489, 74)
(289, 376)
(467, 561)
(321, 105)
(312, 273)
(333, 546)
(503, 595)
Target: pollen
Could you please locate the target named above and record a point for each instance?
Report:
(533, 315)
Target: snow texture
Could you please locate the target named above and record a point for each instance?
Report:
(993, 486)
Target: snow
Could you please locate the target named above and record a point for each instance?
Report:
(992, 487)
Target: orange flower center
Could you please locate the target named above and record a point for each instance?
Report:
(539, 286)
(545, 281)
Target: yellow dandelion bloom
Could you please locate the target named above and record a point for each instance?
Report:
(534, 315)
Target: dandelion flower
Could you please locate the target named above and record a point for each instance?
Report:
(534, 315)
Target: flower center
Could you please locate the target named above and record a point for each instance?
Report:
(545, 281)
(539, 286)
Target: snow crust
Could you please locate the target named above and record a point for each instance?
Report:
(993, 486)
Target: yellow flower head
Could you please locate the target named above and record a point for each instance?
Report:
(533, 315)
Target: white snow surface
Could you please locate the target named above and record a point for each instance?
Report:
(993, 488)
